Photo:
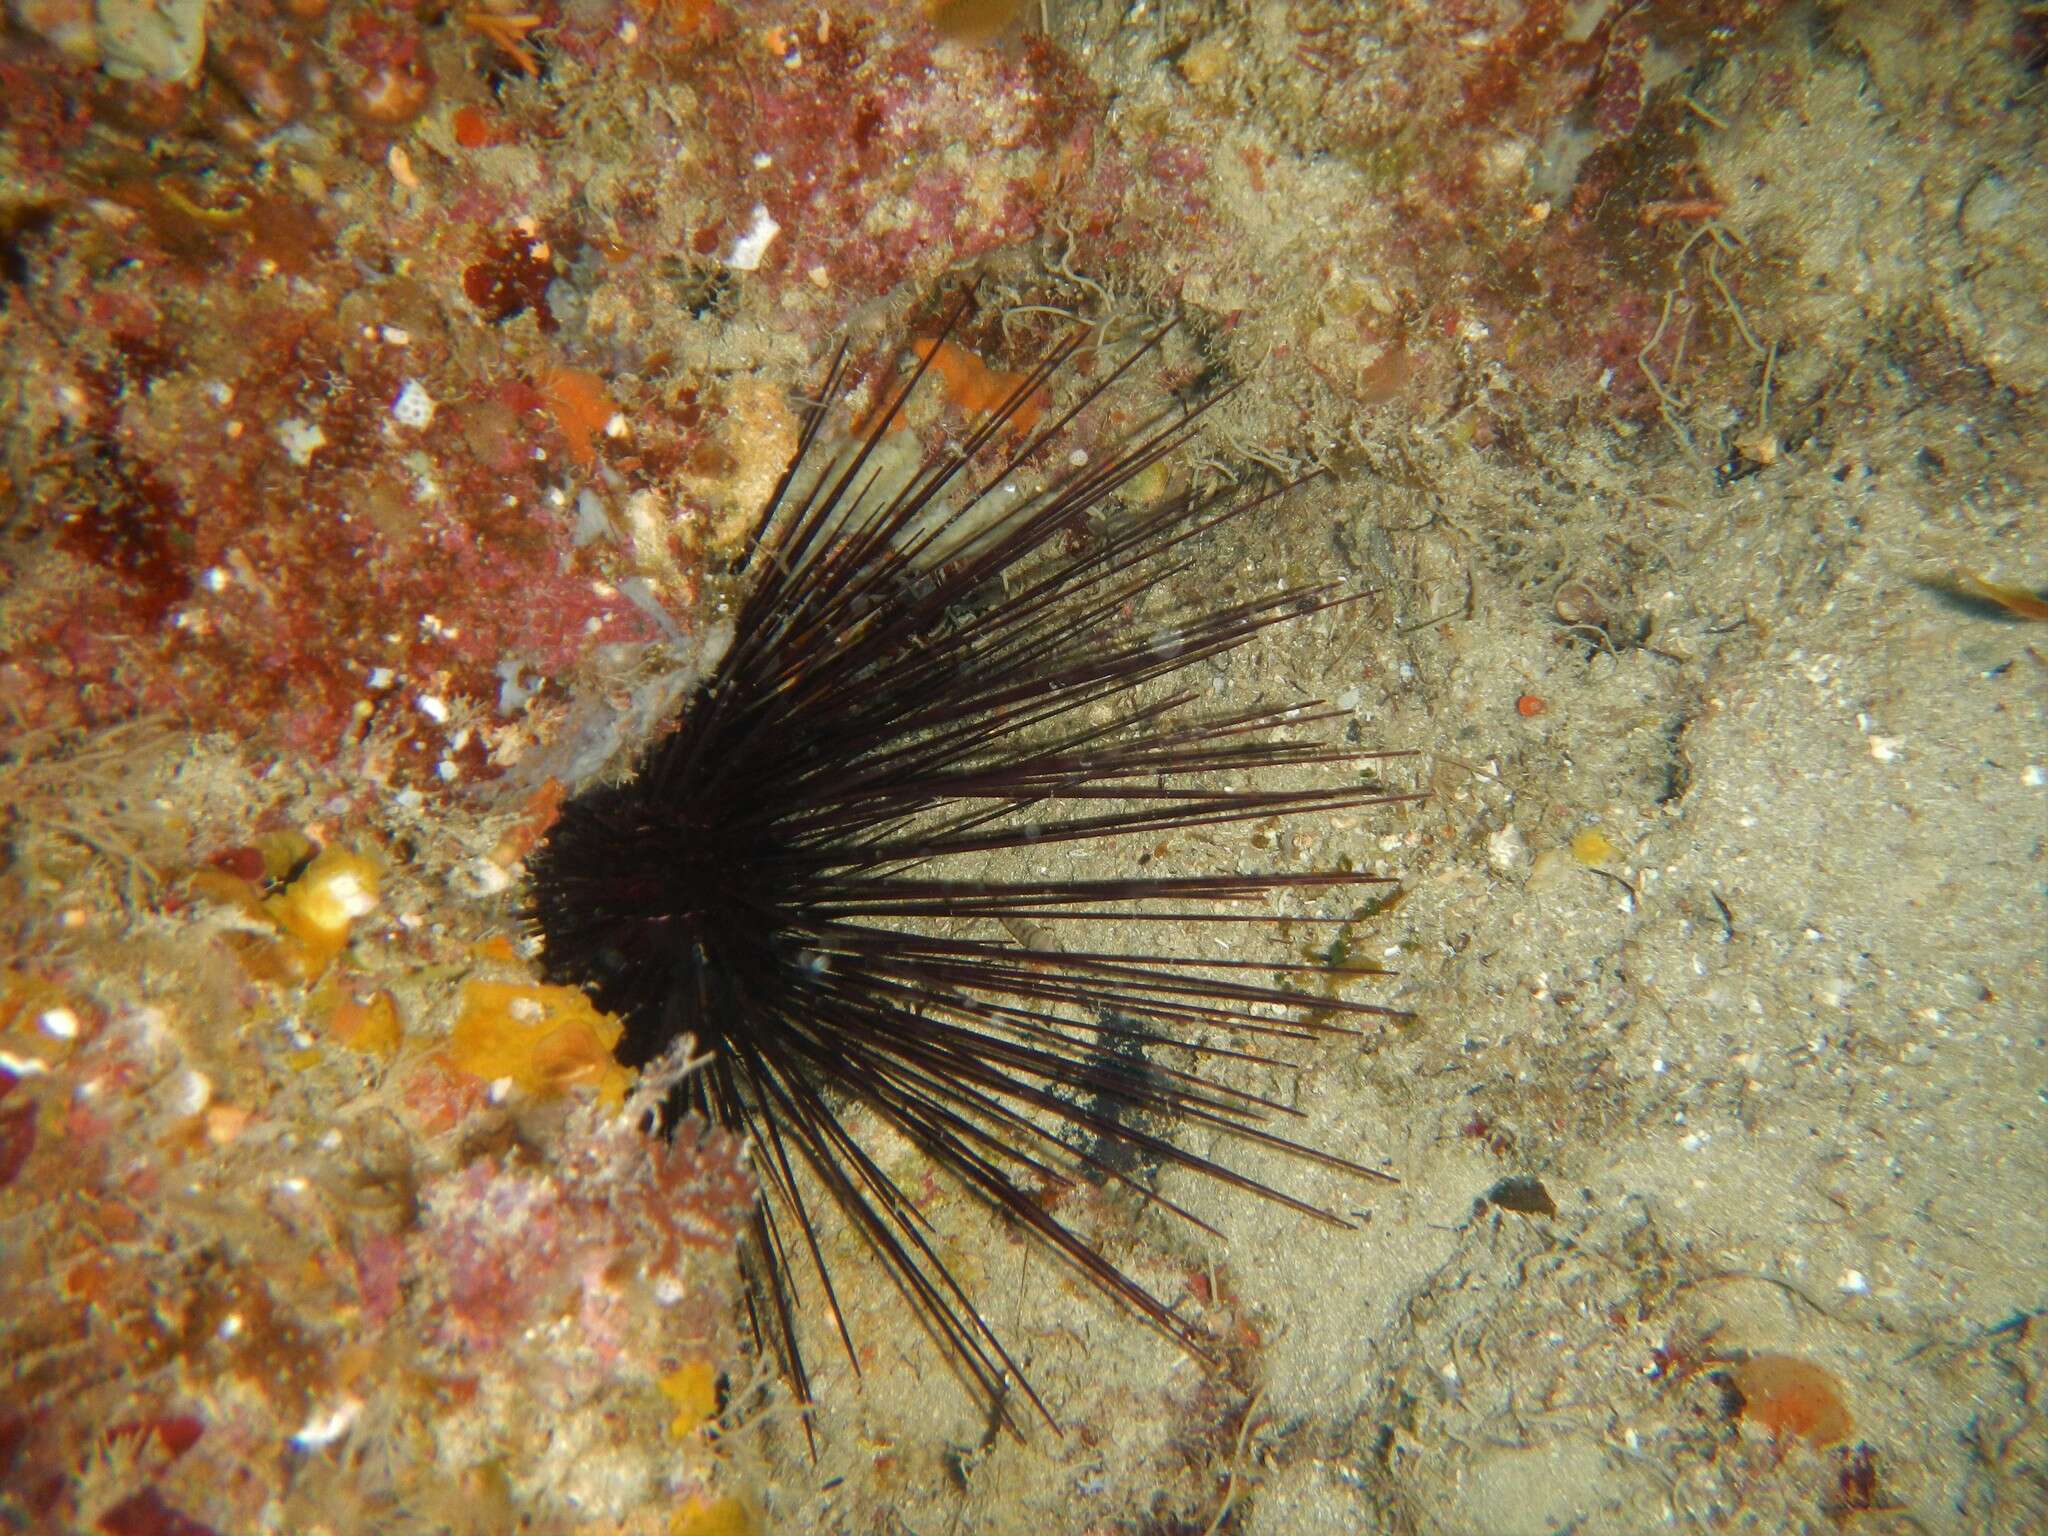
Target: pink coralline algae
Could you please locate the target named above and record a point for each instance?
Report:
(223, 351)
(518, 1246)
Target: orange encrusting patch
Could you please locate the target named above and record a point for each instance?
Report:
(693, 1390)
(1790, 1396)
(317, 908)
(543, 1039)
(476, 129)
(976, 388)
(722, 1516)
(366, 1024)
(582, 408)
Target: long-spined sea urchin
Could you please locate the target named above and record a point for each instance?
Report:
(797, 874)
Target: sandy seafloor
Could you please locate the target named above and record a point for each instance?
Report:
(1772, 1053)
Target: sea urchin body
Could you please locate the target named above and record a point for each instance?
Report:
(797, 877)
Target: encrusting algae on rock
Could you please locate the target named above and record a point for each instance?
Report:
(393, 382)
